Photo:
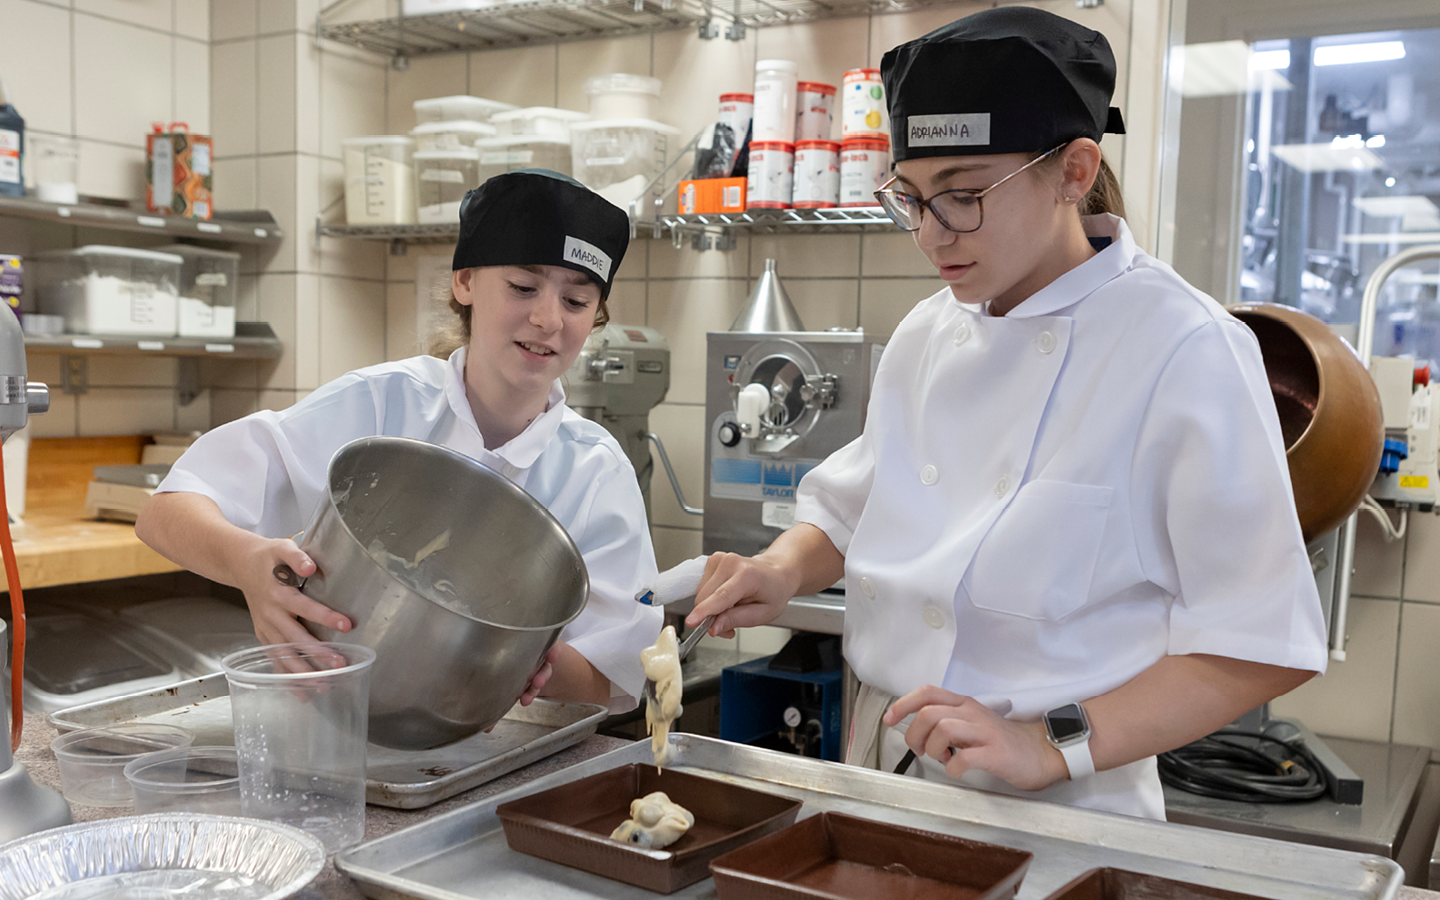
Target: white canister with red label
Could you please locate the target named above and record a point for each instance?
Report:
(736, 110)
(814, 111)
(817, 174)
(862, 105)
(775, 100)
(864, 166)
(772, 173)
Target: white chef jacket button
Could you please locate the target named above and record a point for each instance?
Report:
(929, 475)
(1046, 342)
(1002, 487)
(962, 334)
(934, 617)
(867, 588)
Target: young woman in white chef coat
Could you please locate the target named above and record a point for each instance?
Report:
(1067, 533)
(533, 267)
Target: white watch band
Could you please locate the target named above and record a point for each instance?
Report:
(1077, 759)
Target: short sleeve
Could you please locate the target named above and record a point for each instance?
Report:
(832, 495)
(1210, 474)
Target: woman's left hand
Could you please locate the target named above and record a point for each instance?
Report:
(963, 734)
(541, 676)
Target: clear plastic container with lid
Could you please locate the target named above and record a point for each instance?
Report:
(208, 283)
(536, 120)
(775, 81)
(441, 179)
(620, 95)
(450, 135)
(109, 290)
(619, 158)
(507, 153)
(379, 180)
(459, 106)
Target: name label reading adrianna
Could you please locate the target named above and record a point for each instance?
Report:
(588, 255)
(961, 129)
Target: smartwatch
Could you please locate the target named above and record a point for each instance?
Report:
(1069, 732)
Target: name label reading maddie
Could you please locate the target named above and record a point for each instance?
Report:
(962, 129)
(588, 255)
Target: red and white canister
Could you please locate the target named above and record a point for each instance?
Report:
(864, 166)
(736, 110)
(862, 105)
(772, 172)
(817, 174)
(814, 111)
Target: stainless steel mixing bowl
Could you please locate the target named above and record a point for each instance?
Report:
(457, 631)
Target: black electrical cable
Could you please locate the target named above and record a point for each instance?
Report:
(1231, 765)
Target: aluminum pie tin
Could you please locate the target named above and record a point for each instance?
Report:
(181, 855)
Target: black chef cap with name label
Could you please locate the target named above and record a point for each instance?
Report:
(536, 217)
(1006, 80)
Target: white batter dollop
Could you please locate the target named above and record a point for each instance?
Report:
(662, 666)
(655, 820)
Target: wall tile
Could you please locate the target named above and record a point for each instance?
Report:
(105, 411)
(195, 415)
(230, 19)
(893, 253)
(684, 311)
(401, 339)
(694, 73)
(1352, 699)
(307, 93)
(674, 545)
(1378, 565)
(131, 371)
(1422, 558)
(37, 70)
(636, 262)
(682, 428)
(524, 76)
(669, 261)
(278, 400)
(110, 171)
(307, 332)
(277, 191)
(120, 109)
(247, 299)
(627, 303)
(233, 97)
(352, 100)
(235, 184)
(192, 19)
(403, 268)
(428, 76)
(307, 207)
(352, 326)
(885, 301)
(60, 421)
(276, 87)
(825, 303)
(285, 15)
(192, 84)
(1417, 677)
(229, 405)
(824, 50)
(896, 28)
(806, 255)
(156, 14)
(277, 307)
(582, 60)
(230, 374)
(364, 10)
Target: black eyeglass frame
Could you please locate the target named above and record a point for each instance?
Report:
(884, 191)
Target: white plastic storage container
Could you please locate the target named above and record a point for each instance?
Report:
(379, 180)
(109, 290)
(441, 179)
(775, 97)
(499, 155)
(617, 158)
(208, 285)
(460, 106)
(546, 120)
(623, 96)
(450, 135)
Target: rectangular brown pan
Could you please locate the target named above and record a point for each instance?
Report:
(1118, 884)
(571, 824)
(839, 857)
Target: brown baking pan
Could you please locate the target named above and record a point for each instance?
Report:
(571, 824)
(839, 857)
(1118, 884)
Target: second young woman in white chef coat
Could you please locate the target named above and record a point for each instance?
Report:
(534, 264)
(1070, 500)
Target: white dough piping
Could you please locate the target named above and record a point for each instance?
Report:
(661, 662)
(655, 821)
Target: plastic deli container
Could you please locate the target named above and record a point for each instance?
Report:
(92, 760)
(379, 180)
(623, 96)
(499, 155)
(53, 161)
(775, 81)
(618, 158)
(460, 106)
(864, 166)
(772, 168)
(814, 111)
(441, 179)
(533, 120)
(209, 282)
(109, 290)
(736, 110)
(450, 135)
(862, 105)
(187, 779)
(817, 174)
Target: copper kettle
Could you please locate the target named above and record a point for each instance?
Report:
(1329, 409)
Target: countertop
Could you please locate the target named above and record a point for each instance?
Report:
(35, 754)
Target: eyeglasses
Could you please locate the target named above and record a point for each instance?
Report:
(960, 210)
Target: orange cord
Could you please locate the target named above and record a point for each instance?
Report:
(17, 610)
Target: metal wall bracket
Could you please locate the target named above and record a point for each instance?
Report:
(718, 239)
(735, 31)
(709, 30)
(187, 379)
(1088, 4)
(74, 374)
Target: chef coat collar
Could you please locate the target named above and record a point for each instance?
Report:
(1083, 280)
(526, 447)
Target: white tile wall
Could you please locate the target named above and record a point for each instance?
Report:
(233, 19)
(191, 76)
(580, 61)
(37, 73)
(107, 108)
(155, 14)
(1353, 699)
(682, 428)
(233, 78)
(524, 76)
(352, 320)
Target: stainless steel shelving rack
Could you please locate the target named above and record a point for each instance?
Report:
(256, 227)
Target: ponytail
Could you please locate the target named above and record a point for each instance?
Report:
(1104, 195)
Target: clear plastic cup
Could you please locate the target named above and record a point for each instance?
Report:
(189, 779)
(92, 760)
(301, 717)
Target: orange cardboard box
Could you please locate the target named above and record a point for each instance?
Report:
(712, 195)
(178, 180)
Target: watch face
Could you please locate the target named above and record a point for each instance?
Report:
(1065, 723)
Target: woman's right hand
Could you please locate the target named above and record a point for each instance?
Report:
(277, 610)
(741, 592)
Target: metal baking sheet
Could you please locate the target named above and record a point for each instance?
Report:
(395, 778)
(463, 854)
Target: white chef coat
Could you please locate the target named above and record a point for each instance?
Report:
(1042, 505)
(266, 472)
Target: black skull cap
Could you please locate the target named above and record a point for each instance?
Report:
(536, 217)
(1005, 80)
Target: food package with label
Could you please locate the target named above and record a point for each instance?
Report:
(712, 195)
(178, 178)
